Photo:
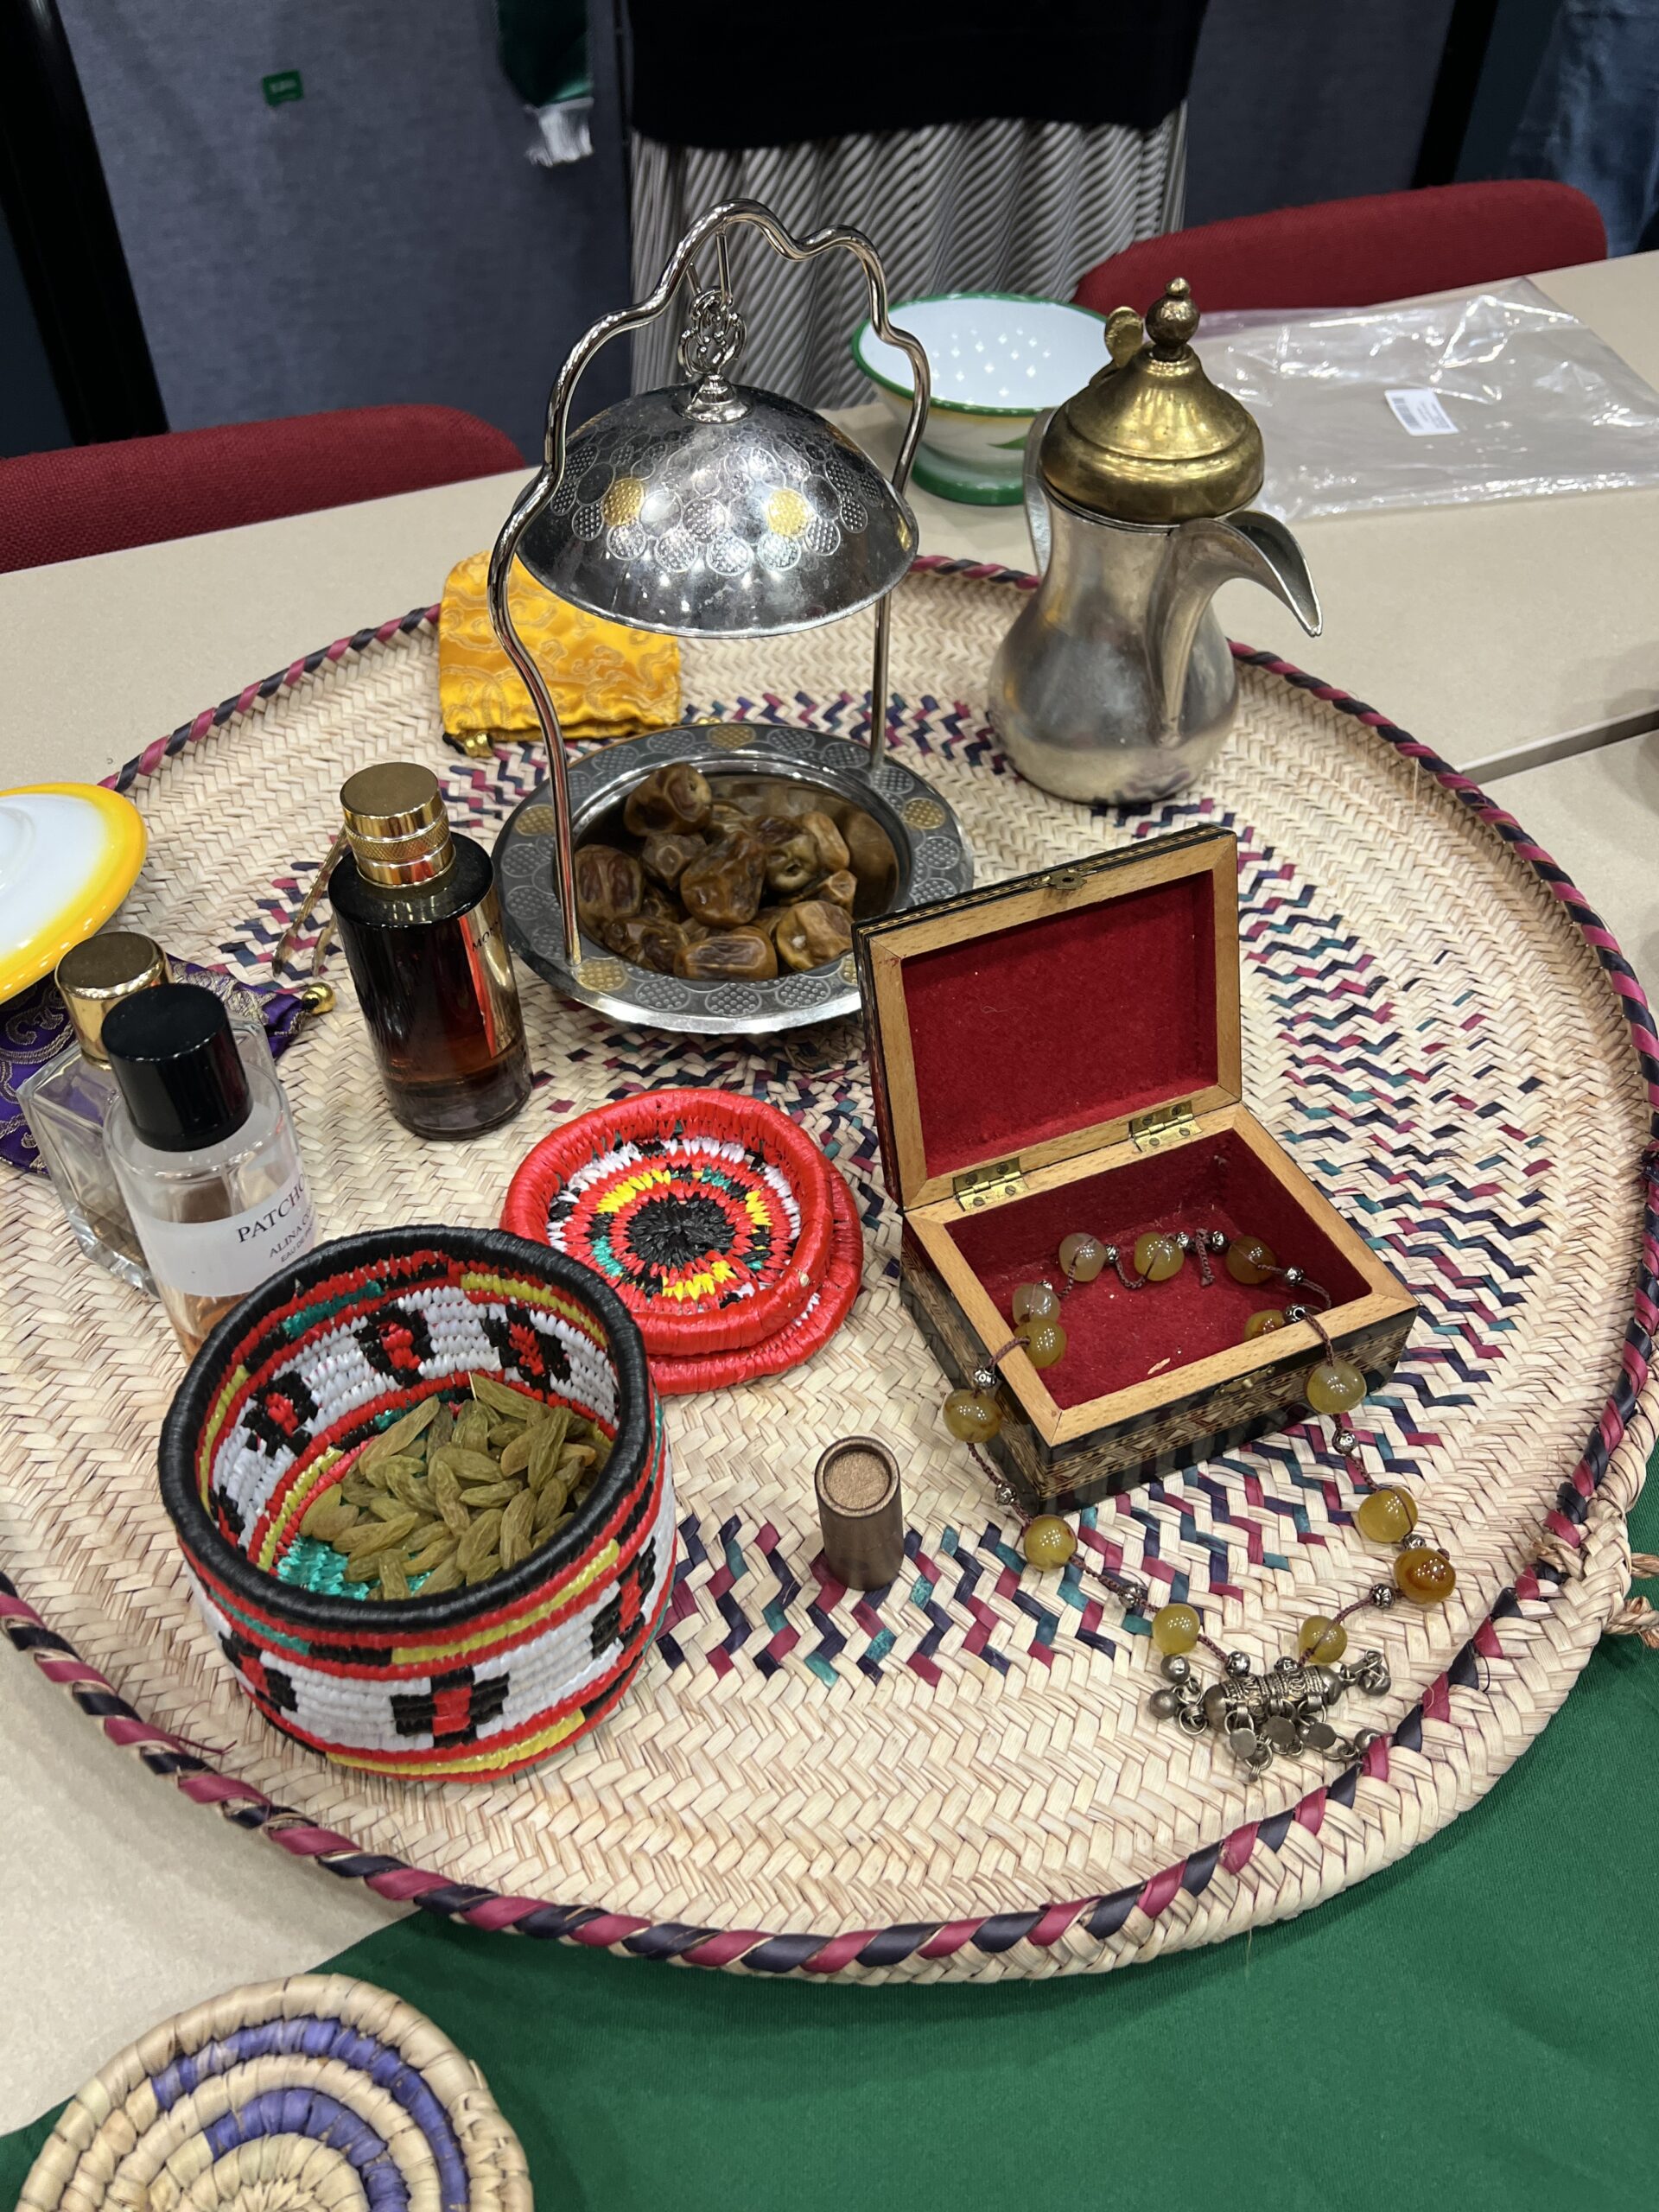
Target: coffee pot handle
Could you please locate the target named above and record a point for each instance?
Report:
(1036, 498)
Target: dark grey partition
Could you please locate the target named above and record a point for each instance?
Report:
(327, 203)
(1298, 100)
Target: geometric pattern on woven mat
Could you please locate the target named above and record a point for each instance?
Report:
(965, 1595)
(1426, 1033)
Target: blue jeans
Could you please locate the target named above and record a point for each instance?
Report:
(1592, 119)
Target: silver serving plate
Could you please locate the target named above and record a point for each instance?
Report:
(933, 856)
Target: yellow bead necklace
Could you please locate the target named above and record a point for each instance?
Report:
(1259, 1717)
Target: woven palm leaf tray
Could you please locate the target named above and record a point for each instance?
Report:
(957, 1776)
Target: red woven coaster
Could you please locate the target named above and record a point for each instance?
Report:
(710, 1214)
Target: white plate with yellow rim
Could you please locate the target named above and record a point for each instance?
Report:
(996, 360)
(69, 854)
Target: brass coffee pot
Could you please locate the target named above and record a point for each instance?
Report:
(1116, 683)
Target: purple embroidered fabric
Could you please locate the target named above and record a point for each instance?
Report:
(35, 1028)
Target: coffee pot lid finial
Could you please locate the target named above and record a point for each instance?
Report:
(1150, 438)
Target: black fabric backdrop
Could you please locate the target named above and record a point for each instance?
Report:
(752, 75)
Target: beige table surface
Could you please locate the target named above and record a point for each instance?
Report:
(1481, 629)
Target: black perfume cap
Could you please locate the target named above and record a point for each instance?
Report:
(173, 1054)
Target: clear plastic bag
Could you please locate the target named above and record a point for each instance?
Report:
(1492, 395)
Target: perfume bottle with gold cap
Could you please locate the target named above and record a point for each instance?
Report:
(66, 1102)
(416, 910)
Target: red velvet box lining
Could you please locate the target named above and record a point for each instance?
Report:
(1116, 1337)
(1074, 1019)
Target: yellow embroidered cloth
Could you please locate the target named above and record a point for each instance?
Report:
(607, 681)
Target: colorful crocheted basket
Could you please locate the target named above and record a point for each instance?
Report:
(710, 1214)
(476, 1681)
(314, 2092)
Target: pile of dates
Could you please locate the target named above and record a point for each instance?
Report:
(745, 884)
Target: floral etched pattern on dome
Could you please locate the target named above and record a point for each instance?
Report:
(777, 517)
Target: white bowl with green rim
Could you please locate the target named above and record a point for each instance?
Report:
(997, 359)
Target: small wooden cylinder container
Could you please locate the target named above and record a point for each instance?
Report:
(861, 1512)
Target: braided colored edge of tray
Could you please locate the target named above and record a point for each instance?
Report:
(877, 1953)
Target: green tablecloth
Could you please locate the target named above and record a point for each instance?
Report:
(1475, 2027)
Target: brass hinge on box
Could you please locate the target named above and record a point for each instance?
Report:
(985, 1186)
(1162, 1127)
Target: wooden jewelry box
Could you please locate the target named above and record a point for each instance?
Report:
(1061, 1052)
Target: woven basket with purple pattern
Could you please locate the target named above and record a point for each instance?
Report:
(317, 2091)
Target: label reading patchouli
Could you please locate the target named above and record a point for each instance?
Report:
(224, 1258)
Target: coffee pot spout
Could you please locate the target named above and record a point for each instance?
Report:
(1203, 555)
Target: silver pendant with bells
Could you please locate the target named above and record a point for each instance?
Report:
(1280, 1714)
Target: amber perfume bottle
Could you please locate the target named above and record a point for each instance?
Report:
(418, 916)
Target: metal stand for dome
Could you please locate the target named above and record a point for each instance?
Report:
(618, 571)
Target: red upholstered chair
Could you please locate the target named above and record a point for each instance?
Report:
(1352, 253)
(59, 506)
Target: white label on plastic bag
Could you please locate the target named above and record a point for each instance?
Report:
(1420, 413)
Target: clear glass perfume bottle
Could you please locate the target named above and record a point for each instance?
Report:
(66, 1102)
(420, 921)
(202, 1141)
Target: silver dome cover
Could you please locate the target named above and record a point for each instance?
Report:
(766, 519)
